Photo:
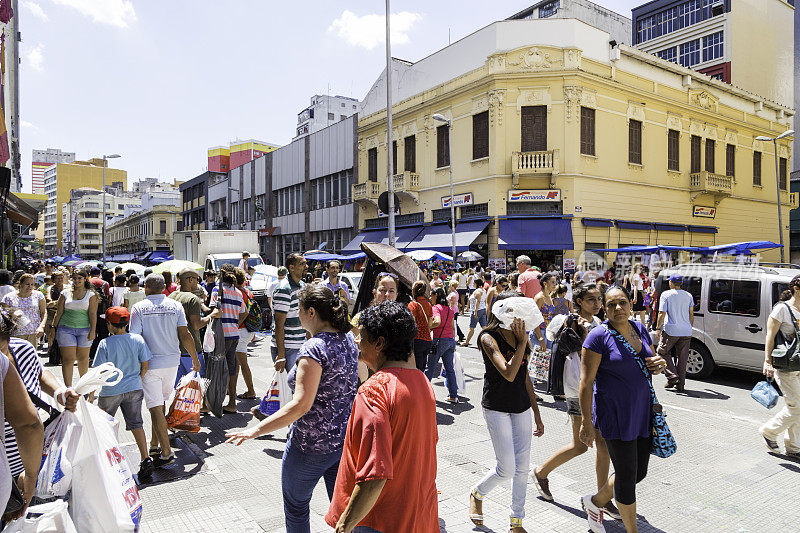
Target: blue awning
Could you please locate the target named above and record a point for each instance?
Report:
(535, 234)
(702, 229)
(597, 222)
(632, 224)
(670, 227)
(438, 237)
(402, 237)
(158, 257)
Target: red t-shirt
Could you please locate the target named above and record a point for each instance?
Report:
(423, 312)
(169, 289)
(392, 435)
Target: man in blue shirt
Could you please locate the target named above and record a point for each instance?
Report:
(334, 283)
(675, 321)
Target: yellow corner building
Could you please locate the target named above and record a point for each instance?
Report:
(563, 142)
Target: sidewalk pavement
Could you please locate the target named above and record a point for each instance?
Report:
(721, 479)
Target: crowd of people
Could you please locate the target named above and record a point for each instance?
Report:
(362, 401)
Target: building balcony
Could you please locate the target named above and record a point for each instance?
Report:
(366, 193)
(543, 163)
(791, 198)
(717, 185)
(407, 184)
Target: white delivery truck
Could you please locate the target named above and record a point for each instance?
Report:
(214, 248)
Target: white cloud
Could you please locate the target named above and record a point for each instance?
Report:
(35, 57)
(369, 31)
(114, 12)
(35, 9)
(26, 124)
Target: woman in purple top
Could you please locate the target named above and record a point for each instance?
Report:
(620, 406)
(324, 382)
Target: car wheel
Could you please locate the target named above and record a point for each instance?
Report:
(699, 365)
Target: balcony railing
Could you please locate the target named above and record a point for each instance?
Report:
(407, 181)
(794, 200)
(708, 182)
(543, 163)
(366, 192)
(533, 162)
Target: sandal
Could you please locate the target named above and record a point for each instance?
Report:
(244, 396)
(515, 525)
(476, 518)
(154, 450)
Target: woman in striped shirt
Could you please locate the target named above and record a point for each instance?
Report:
(234, 312)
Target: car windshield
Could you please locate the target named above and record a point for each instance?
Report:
(253, 261)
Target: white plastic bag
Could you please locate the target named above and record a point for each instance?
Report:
(62, 437)
(461, 382)
(278, 394)
(208, 339)
(60, 445)
(518, 307)
(52, 517)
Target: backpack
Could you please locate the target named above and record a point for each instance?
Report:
(255, 319)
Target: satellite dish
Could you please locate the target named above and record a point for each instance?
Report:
(383, 202)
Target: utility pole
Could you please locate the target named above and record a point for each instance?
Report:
(389, 162)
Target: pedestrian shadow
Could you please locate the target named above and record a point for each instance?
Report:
(731, 377)
(443, 419)
(218, 427)
(707, 394)
(610, 524)
(277, 454)
(443, 527)
(455, 408)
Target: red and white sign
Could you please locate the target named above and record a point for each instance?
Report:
(461, 199)
(538, 195)
(703, 211)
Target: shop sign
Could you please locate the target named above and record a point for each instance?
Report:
(703, 211)
(569, 264)
(537, 195)
(461, 199)
(497, 263)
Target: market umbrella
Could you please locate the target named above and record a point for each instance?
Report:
(72, 262)
(427, 255)
(176, 265)
(469, 255)
(131, 266)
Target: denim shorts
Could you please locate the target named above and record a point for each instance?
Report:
(573, 407)
(131, 405)
(68, 337)
(478, 317)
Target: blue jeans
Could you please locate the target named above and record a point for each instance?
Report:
(300, 473)
(446, 350)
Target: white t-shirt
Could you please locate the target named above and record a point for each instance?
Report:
(157, 318)
(478, 293)
(638, 282)
(271, 287)
(572, 367)
(676, 303)
(781, 313)
(462, 280)
(117, 295)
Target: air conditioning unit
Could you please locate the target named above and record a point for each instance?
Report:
(717, 8)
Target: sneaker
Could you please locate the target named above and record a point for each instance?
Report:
(593, 514)
(611, 510)
(543, 486)
(160, 462)
(145, 468)
(771, 444)
(793, 455)
(671, 383)
(452, 400)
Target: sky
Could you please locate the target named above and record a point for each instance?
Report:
(161, 81)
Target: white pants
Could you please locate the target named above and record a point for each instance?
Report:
(788, 419)
(511, 439)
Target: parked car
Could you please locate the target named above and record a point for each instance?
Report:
(732, 304)
(352, 280)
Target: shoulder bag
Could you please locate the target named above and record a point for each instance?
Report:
(432, 351)
(785, 354)
(662, 443)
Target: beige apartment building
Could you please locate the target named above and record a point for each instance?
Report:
(145, 231)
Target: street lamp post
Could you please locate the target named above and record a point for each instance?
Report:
(440, 118)
(105, 164)
(777, 181)
(389, 162)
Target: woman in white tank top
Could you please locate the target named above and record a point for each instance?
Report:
(74, 325)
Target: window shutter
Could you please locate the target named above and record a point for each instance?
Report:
(372, 164)
(710, 152)
(587, 131)
(394, 158)
(480, 135)
(730, 160)
(673, 149)
(696, 145)
(757, 168)
(442, 145)
(782, 173)
(410, 153)
(534, 128)
(635, 141)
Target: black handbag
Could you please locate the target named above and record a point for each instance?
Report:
(785, 354)
(432, 350)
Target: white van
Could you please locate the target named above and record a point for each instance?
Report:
(732, 304)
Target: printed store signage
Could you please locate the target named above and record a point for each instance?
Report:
(461, 199)
(703, 211)
(540, 195)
